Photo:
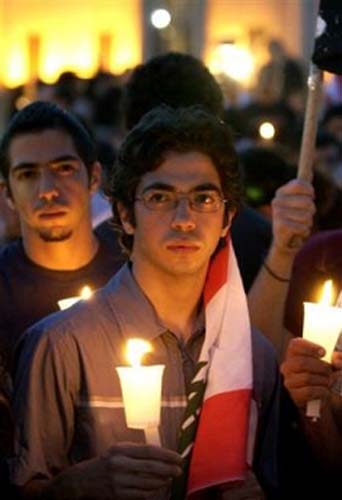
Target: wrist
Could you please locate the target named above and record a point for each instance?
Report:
(274, 275)
(280, 262)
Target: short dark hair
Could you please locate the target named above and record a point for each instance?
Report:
(175, 79)
(164, 130)
(39, 116)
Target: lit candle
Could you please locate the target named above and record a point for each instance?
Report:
(141, 391)
(322, 325)
(85, 294)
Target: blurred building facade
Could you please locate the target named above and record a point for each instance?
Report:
(43, 38)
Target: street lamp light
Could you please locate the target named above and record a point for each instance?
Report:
(160, 18)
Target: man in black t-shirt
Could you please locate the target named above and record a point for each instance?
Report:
(48, 162)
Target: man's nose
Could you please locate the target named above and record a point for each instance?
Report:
(183, 217)
(48, 188)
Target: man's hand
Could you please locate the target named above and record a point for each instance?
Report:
(306, 376)
(127, 471)
(140, 471)
(293, 209)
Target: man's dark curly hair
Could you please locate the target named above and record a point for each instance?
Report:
(38, 117)
(175, 79)
(164, 130)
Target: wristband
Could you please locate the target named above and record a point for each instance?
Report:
(274, 275)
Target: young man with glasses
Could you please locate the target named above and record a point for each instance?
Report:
(175, 192)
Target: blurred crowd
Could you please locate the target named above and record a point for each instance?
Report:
(267, 123)
(266, 126)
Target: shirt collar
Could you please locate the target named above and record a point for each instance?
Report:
(134, 312)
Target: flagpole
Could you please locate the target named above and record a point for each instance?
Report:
(307, 149)
(313, 104)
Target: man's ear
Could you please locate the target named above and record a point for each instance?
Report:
(5, 189)
(125, 219)
(95, 177)
(228, 222)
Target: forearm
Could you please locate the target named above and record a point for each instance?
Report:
(267, 297)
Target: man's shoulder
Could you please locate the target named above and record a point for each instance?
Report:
(320, 258)
(263, 350)
(265, 368)
(323, 243)
(10, 253)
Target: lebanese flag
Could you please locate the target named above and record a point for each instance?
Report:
(224, 431)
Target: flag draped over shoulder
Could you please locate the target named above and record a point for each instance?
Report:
(223, 431)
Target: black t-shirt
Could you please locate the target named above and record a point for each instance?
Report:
(251, 237)
(28, 292)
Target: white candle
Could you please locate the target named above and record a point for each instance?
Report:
(141, 391)
(322, 325)
(85, 293)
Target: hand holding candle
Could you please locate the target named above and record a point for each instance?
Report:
(141, 391)
(322, 325)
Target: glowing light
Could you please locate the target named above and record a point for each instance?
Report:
(86, 293)
(51, 67)
(327, 293)
(74, 42)
(160, 18)
(123, 58)
(234, 61)
(136, 348)
(267, 130)
(21, 102)
(16, 68)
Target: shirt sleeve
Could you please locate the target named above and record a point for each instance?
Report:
(45, 388)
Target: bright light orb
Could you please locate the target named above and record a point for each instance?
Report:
(267, 130)
(234, 61)
(160, 18)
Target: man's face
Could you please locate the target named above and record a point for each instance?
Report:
(49, 185)
(179, 240)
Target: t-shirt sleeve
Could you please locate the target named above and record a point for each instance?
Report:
(44, 392)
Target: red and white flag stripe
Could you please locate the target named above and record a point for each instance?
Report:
(224, 431)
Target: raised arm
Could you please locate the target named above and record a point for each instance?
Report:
(292, 211)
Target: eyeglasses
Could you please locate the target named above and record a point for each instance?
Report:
(200, 201)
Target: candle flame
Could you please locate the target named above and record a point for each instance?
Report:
(327, 293)
(136, 348)
(86, 293)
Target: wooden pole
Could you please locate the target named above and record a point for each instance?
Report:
(313, 104)
(307, 150)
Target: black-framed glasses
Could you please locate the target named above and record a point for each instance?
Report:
(200, 201)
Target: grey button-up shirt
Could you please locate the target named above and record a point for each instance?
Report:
(68, 403)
